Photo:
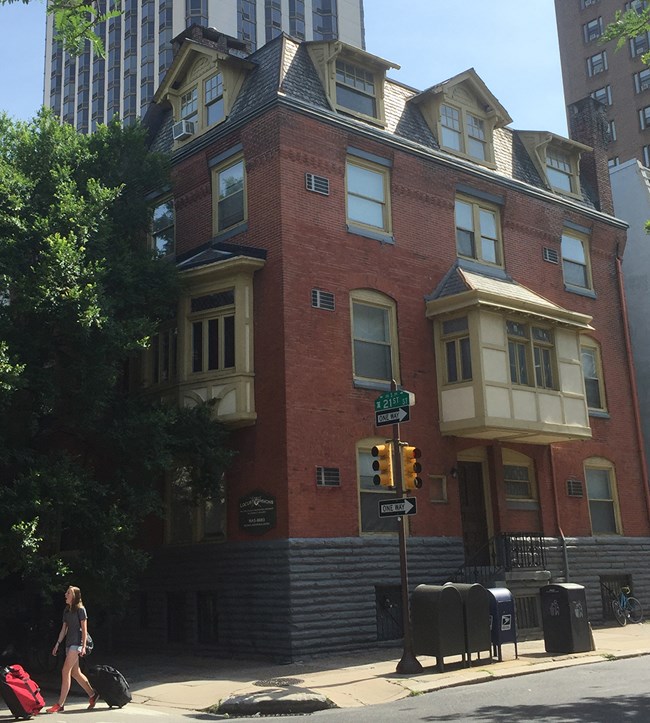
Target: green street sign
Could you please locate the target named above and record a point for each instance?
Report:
(394, 400)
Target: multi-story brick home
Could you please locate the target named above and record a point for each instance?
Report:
(336, 230)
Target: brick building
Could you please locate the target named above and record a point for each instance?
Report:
(336, 229)
(617, 78)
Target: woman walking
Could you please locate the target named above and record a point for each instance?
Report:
(75, 632)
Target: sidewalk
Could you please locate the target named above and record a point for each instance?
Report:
(346, 680)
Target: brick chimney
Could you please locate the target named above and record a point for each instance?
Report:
(588, 125)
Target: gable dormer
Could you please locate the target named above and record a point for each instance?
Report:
(462, 114)
(203, 81)
(353, 79)
(557, 160)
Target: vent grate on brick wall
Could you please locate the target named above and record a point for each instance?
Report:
(322, 300)
(551, 255)
(328, 477)
(574, 488)
(317, 184)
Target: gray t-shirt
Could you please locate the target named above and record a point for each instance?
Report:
(73, 619)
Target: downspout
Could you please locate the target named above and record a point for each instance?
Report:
(632, 374)
(565, 552)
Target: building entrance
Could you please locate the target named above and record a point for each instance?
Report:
(472, 511)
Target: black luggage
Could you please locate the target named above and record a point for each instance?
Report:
(21, 694)
(110, 684)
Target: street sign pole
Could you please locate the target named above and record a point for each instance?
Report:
(409, 663)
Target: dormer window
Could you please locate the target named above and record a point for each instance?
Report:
(558, 170)
(557, 160)
(202, 85)
(190, 105)
(462, 114)
(355, 88)
(353, 80)
(468, 137)
(214, 105)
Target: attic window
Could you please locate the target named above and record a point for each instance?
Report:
(464, 132)
(355, 88)
(559, 170)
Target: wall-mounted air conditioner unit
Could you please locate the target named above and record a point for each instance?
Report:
(182, 130)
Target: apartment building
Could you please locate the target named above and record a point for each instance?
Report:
(336, 230)
(87, 90)
(617, 78)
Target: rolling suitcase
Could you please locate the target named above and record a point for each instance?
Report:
(20, 693)
(110, 684)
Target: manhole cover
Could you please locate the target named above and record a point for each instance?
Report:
(278, 682)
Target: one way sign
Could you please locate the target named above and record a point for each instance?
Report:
(392, 416)
(397, 507)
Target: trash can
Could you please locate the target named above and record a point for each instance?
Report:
(503, 624)
(476, 618)
(437, 622)
(564, 618)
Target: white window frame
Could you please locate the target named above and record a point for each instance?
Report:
(592, 29)
(362, 342)
(592, 372)
(594, 467)
(511, 458)
(572, 260)
(218, 329)
(370, 494)
(222, 192)
(477, 232)
(456, 343)
(642, 80)
(597, 63)
(603, 95)
(162, 228)
(361, 195)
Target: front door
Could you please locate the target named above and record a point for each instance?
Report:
(472, 512)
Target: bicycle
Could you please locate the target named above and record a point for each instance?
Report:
(625, 607)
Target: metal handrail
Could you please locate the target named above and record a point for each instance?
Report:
(504, 553)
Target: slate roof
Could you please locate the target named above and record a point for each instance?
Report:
(284, 71)
(497, 284)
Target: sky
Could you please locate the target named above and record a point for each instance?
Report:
(514, 50)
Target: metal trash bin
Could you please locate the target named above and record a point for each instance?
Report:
(437, 622)
(503, 623)
(476, 618)
(564, 618)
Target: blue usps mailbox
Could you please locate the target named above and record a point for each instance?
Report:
(503, 624)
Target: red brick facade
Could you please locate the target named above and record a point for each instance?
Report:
(309, 413)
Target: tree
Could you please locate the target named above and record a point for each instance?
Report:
(82, 451)
(627, 25)
(75, 21)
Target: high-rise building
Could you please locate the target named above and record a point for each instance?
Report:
(617, 78)
(87, 90)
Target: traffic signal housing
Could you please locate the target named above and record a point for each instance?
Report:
(411, 468)
(383, 464)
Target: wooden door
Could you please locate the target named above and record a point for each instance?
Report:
(473, 513)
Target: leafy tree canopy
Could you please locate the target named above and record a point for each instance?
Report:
(628, 24)
(81, 453)
(75, 21)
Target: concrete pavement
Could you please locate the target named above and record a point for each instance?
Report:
(346, 680)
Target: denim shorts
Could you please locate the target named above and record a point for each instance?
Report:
(78, 648)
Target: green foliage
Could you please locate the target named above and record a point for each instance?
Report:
(75, 21)
(83, 453)
(626, 25)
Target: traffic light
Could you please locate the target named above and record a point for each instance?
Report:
(383, 464)
(411, 468)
